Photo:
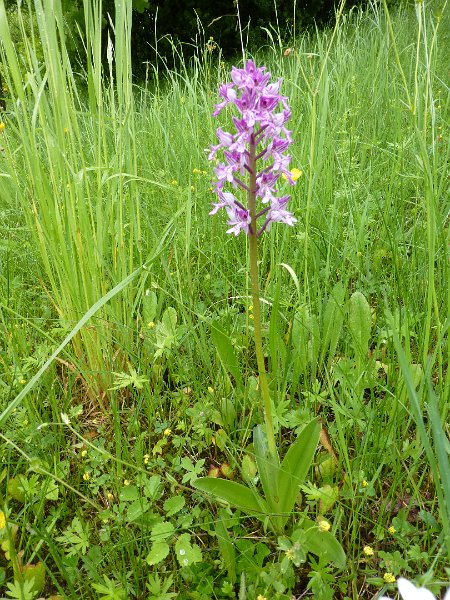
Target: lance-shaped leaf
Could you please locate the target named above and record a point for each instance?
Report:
(234, 493)
(295, 466)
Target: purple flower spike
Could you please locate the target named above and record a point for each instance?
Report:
(260, 135)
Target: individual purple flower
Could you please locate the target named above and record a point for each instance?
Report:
(260, 136)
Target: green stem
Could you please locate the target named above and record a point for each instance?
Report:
(253, 242)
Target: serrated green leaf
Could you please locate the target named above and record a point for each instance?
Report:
(161, 531)
(234, 493)
(173, 505)
(129, 493)
(226, 352)
(295, 466)
(158, 553)
(136, 509)
(187, 553)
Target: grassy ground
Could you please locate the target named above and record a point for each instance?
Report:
(100, 448)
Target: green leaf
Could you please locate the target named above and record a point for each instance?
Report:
(173, 505)
(158, 553)
(226, 546)
(149, 307)
(360, 324)
(129, 493)
(161, 531)
(226, 352)
(323, 544)
(16, 490)
(332, 321)
(36, 575)
(234, 493)
(141, 5)
(268, 471)
(136, 509)
(187, 553)
(295, 466)
(248, 468)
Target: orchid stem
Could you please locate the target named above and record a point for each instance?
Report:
(253, 243)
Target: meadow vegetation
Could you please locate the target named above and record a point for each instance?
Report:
(127, 367)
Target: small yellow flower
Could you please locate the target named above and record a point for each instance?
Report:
(66, 130)
(167, 432)
(84, 453)
(2, 126)
(192, 188)
(251, 316)
(2, 520)
(250, 308)
(261, 597)
(110, 496)
(368, 551)
(150, 325)
(289, 554)
(22, 381)
(392, 530)
(211, 390)
(174, 182)
(295, 174)
(126, 482)
(182, 99)
(324, 525)
(364, 483)
(389, 578)
(146, 459)
(196, 171)
(86, 476)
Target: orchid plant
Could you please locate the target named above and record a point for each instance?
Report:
(255, 159)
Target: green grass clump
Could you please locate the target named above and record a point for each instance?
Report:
(113, 397)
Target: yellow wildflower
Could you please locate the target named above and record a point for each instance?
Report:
(2, 126)
(289, 554)
(2, 520)
(324, 525)
(196, 171)
(364, 483)
(261, 597)
(389, 578)
(84, 453)
(211, 390)
(86, 476)
(174, 182)
(392, 530)
(66, 130)
(295, 174)
(150, 325)
(146, 459)
(368, 551)
(167, 432)
(126, 482)
(110, 496)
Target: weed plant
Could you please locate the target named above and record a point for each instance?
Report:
(113, 397)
